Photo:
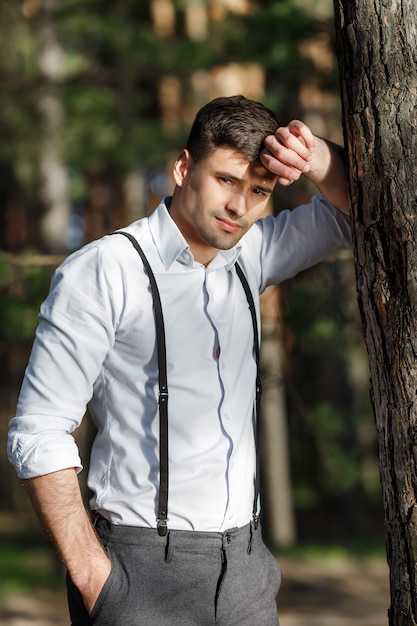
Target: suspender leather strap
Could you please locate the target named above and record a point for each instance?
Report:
(256, 344)
(163, 388)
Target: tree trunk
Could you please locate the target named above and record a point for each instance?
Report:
(275, 457)
(377, 52)
(54, 177)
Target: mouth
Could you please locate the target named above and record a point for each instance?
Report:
(230, 227)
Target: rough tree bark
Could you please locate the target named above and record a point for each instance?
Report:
(377, 52)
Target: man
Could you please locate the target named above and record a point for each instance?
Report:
(204, 561)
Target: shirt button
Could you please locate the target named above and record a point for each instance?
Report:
(226, 416)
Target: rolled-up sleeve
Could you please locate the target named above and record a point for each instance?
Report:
(75, 332)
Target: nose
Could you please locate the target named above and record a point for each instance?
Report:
(236, 204)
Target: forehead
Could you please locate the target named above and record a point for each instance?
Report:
(228, 161)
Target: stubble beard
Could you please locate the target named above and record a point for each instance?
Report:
(222, 240)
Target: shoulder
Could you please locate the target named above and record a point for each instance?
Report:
(106, 253)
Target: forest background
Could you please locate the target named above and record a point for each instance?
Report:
(97, 99)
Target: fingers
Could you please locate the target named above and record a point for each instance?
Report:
(288, 152)
(299, 130)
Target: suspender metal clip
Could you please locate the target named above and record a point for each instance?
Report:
(162, 527)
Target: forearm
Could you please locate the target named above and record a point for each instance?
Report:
(58, 503)
(328, 173)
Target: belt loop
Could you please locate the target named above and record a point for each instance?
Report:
(169, 547)
(251, 529)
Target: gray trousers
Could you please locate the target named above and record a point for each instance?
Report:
(184, 579)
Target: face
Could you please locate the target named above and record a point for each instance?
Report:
(217, 200)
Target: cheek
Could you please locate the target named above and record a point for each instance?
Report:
(257, 211)
(204, 194)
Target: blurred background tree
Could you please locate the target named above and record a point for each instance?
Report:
(98, 97)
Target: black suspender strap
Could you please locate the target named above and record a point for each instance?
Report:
(163, 388)
(258, 396)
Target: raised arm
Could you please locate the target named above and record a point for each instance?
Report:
(294, 150)
(57, 500)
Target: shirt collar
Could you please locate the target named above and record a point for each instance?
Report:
(172, 246)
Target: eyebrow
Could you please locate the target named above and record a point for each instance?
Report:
(265, 188)
(240, 180)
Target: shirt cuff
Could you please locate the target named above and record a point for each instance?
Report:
(40, 454)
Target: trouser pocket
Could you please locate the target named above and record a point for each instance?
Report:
(104, 611)
(107, 609)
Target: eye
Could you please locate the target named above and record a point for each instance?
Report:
(227, 181)
(259, 192)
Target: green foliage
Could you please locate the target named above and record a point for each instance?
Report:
(326, 411)
(340, 469)
(22, 290)
(28, 568)
(19, 117)
(322, 323)
(277, 29)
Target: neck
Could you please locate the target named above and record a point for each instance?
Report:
(201, 252)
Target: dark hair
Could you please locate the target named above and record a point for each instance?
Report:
(234, 122)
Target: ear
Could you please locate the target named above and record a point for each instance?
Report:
(181, 166)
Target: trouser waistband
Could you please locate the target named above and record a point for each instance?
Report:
(194, 540)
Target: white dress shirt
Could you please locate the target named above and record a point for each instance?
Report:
(95, 345)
